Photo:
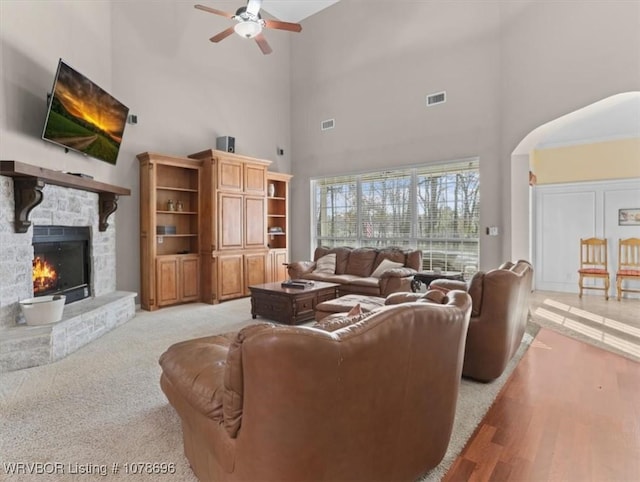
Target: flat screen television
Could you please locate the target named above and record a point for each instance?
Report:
(83, 117)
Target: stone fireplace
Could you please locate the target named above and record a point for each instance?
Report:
(70, 215)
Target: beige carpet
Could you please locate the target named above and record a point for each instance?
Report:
(102, 405)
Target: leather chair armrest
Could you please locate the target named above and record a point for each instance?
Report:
(398, 298)
(446, 285)
(201, 384)
(299, 268)
(398, 273)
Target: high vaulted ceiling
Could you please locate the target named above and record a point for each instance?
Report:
(295, 10)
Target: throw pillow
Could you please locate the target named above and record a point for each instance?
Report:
(384, 266)
(326, 264)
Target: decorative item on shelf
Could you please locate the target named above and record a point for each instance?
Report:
(160, 229)
(180, 206)
(272, 189)
(170, 205)
(275, 229)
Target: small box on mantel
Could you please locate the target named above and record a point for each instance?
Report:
(168, 229)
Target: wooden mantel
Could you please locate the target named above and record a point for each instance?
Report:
(29, 180)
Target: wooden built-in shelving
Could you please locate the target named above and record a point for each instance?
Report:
(278, 225)
(170, 198)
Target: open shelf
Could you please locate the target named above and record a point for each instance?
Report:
(277, 216)
(169, 202)
(168, 188)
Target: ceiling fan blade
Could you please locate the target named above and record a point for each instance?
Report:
(222, 35)
(263, 44)
(253, 7)
(213, 10)
(292, 27)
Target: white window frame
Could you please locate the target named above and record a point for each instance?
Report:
(448, 253)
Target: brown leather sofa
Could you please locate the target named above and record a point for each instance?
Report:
(500, 308)
(369, 397)
(354, 268)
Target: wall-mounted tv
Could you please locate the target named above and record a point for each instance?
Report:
(83, 117)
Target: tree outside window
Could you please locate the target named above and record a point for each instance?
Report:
(434, 208)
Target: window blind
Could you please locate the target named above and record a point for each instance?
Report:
(434, 208)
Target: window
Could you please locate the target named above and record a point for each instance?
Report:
(434, 208)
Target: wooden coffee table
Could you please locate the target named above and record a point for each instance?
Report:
(290, 306)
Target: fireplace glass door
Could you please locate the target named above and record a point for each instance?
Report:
(60, 262)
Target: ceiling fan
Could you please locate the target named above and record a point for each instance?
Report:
(250, 24)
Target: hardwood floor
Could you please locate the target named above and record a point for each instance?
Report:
(569, 412)
(613, 325)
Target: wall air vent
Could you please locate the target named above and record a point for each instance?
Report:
(328, 124)
(437, 98)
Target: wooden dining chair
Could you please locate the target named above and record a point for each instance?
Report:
(628, 264)
(593, 264)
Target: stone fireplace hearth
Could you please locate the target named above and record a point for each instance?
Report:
(23, 346)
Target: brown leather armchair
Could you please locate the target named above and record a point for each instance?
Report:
(500, 308)
(370, 397)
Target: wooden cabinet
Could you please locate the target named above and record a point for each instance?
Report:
(211, 225)
(236, 272)
(189, 282)
(177, 279)
(255, 180)
(276, 266)
(233, 227)
(237, 173)
(255, 267)
(229, 280)
(230, 219)
(277, 225)
(170, 208)
(167, 280)
(230, 174)
(255, 235)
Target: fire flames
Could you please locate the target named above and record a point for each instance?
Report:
(44, 276)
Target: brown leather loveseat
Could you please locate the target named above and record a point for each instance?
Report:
(361, 270)
(370, 397)
(499, 316)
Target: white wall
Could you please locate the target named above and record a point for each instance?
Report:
(156, 58)
(373, 80)
(520, 219)
(564, 213)
(507, 67)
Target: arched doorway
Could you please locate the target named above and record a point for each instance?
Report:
(577, 158)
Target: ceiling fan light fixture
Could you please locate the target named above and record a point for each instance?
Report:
(248, 29)
(249, 24)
